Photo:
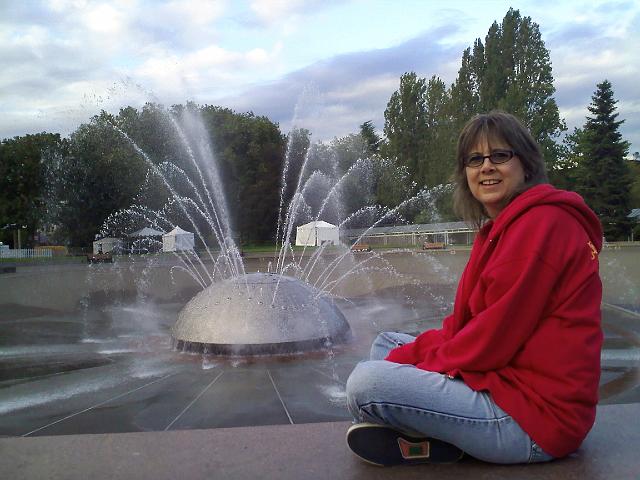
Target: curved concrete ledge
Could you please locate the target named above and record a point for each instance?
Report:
(309, 451)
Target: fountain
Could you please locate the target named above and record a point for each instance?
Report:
(237, 313)
(238, 317)
(166, 342)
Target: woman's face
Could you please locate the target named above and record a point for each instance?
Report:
(494, 185)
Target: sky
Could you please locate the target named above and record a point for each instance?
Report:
(325, 65)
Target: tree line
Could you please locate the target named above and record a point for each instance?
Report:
(68, 187)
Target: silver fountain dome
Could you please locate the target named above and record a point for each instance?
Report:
(244, 316)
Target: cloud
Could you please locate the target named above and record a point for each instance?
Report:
(271, 12)
(350, 88)
(594, 48)
(66, 59)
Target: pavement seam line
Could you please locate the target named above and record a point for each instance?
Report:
(281, 401)
(621, 309)
(97, 405)
(328, 376)
(192, 402)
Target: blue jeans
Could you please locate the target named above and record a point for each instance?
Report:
(428, 404)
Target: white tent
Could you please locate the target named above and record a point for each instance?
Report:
(317, 233)
(177, 240)
(108, 244)
(145, 240)
(146, 232)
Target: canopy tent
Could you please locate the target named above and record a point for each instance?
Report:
(177, 240)
(317, 233)
(145, 240)
(107, 244)
(146, 232)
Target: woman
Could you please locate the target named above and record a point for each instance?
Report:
(512, 376)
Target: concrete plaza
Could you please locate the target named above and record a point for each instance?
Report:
(86, 349)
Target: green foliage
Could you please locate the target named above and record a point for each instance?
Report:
(438, 159)
(564, 175)
(298, 142)
(23, 194)
(419, 130)
(371, 139)
(602, 175)
(100, 173)
(348, 150)
(250, 152)
(353, 158)
(405, 124)
(392, 182)
(511, 71)
(634, 193)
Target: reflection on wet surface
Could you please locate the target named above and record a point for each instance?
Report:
(108, 364)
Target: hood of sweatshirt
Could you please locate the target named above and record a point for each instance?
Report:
(546, 194)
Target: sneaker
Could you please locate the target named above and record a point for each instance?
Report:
(384, 446)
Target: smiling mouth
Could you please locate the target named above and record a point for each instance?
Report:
(490, 182)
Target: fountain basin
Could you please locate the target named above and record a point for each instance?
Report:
(259, 314)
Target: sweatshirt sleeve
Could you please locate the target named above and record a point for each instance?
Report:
(517, 292)
(410, 353)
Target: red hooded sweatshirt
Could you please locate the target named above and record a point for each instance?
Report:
(526, 320)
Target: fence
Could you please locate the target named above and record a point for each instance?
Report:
(26, 253)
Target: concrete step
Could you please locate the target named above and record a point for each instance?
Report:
(303, 451)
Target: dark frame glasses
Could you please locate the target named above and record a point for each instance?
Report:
(496, 157)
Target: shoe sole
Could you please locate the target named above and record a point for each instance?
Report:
(384, 446)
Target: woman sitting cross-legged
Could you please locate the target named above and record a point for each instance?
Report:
(512, 376)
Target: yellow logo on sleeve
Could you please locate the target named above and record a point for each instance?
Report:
(594, 251)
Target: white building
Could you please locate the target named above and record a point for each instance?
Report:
(317, 233)
(177, 240)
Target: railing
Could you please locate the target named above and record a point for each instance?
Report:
(26, 253)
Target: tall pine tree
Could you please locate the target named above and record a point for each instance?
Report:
(405, 125)
(602, 175)
(511, 71)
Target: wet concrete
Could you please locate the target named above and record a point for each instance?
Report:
(100, 359)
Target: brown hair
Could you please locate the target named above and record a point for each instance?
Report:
(495, 126)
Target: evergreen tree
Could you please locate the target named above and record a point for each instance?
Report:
(603, 177)
(438, 160)
(405, 125)
(511, 71)
(371, 138)
(567, 165)
(465, 98)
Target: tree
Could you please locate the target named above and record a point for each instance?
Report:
(603, 176)
(370, 137)
(438, 158)
(511, 71)
(297, 146)
(465, 97)
(250, 152)
(98, 175)
(392, 182)
(23, 180)
(354, 158)
(634, 167)
(405, 125)
(567, 165)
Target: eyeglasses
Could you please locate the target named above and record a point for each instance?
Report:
(496, 157)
